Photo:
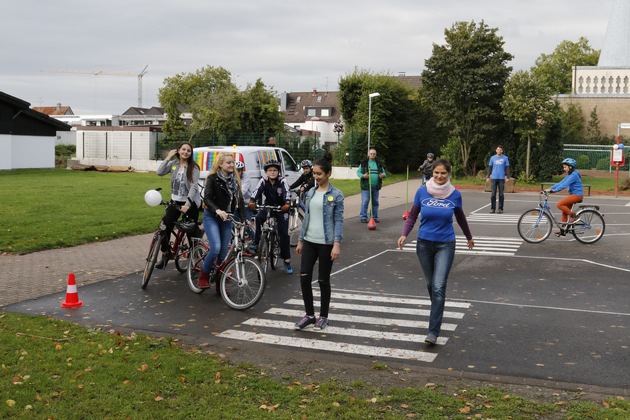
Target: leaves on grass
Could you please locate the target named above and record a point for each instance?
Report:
(269, 407)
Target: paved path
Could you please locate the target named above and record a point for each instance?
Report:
(24, 277)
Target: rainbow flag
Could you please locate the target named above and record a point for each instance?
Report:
(205, 160)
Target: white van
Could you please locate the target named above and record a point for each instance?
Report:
(254, 158)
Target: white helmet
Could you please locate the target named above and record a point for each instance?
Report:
(153, 198)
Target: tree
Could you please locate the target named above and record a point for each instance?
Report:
(463, 81)
(218, 108)
(403, 128)
(593, 130)
(572, 124)
(528, 105)
(555, 69)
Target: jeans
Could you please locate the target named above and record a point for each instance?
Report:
(493, 195)
(365, 201)
(436, 260)
(312, 252)
(219, 234)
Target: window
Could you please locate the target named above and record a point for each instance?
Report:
(325, 112)
(311, 112)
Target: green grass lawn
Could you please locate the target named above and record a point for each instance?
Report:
(54, 369)
(52, 208)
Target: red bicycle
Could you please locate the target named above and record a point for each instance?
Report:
(182, 238)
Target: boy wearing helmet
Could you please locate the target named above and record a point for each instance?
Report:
(275, 190)
(305, 182)
(572, 181)
(426, 169)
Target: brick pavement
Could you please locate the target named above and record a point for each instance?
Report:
(25, 277)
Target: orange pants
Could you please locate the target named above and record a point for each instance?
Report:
(567, 203)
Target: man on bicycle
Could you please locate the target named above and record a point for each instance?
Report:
(275, 189)
(572, 181)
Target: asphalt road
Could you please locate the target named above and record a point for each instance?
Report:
(556, 311)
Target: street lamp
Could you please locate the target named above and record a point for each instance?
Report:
(371, 95)
(372, 222)
(338, 129)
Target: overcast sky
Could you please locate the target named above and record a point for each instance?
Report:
(292, 46)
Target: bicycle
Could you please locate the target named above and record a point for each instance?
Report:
(179, 248)
(296, 216)
(535, 225)
(239, 279)
(269, 247)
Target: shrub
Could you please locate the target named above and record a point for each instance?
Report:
(603, 164)
(583, 162)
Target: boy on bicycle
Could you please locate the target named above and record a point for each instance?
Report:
(426, 169)
(275, 189)
(572, 181)
(306, 181)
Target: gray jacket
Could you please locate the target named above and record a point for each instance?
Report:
(172, 166)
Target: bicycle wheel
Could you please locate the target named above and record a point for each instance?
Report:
(195, 265)
(590, 228)
(274, 250)
(183, 253)
(154, 251)
(534, 226)
(242, 284)
(263, 253)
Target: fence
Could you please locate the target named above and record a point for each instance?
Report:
(594, 156)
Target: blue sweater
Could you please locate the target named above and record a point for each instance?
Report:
(573, 180)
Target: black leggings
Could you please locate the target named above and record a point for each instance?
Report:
(171, 215)
(311, 252)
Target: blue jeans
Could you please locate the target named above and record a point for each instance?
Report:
(365, 201)
(494, 183)
(436, 260)
(219, 234)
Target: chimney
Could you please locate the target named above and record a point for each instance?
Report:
(58, 106)
(314, 92)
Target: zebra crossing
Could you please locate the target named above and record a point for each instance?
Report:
(367, 324)
(484, 245)
(505, 218)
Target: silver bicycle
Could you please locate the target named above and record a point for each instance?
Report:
(535, 225)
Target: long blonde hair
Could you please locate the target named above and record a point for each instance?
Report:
(219, 161)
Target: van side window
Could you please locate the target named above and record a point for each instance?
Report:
(289, 163)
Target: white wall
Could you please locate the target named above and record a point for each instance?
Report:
(17, 152)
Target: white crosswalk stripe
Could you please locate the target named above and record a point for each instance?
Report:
(504, 218)
(484, 245)
(388, 326)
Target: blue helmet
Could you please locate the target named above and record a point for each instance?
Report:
(570, 161)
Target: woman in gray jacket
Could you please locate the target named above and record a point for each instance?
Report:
(184, 191)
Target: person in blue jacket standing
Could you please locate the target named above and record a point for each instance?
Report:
(436, 202)
(498, 173)
(572, 181)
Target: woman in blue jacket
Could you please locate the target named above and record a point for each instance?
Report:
(320, 239)
(572, 181)
(436, 203)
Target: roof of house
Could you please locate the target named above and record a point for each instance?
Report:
(299, 102)
(23, 114)
(54, 110)
(414, 82)
(144, 111)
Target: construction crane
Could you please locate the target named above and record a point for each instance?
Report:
(108, 73)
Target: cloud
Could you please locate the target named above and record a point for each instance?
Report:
(292, 46)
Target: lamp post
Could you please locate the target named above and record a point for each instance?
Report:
(372, 222)
(371, 95)
(338, 129)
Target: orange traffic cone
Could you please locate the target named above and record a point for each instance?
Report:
(72, 296)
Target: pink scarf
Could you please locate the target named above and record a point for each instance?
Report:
(440, 191)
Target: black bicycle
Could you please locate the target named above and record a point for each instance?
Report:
(180, 243)
(269, 247)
